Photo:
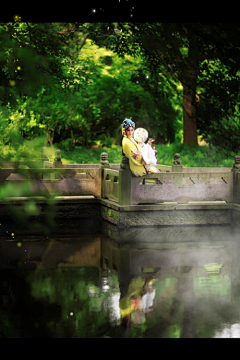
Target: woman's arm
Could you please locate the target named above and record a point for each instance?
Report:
(131, 152)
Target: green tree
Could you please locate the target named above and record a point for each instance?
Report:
(31, 56)
(97, 90)
(181, 48)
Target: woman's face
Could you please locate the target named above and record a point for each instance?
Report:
(129, 132)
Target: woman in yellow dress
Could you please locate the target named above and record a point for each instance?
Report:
(131, 150)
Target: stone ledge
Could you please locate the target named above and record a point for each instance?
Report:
(208, 205)
(166, 214)
(236, 207)
(42, 199)
(159, 237)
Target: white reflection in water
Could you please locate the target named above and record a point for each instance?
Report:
(147, 301)
(115, 315)
(111, 304)
(232, 331)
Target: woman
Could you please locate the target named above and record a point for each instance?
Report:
(131, 150)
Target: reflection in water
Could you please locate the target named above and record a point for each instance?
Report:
(230, 331)
(119, 285)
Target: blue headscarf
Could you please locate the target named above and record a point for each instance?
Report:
(126, 124)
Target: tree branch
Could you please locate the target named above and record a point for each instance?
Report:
(83, 41)
(29, 32)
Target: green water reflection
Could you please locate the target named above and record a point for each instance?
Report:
(95, 286)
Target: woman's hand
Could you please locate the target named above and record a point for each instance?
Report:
(141, 144)
(150, 141)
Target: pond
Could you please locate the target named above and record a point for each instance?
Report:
(142, 283)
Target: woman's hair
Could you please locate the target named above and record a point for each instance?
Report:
(127, 123)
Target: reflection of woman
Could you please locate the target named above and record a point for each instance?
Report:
(137, 302)
(132, 151)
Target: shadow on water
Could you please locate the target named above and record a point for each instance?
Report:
(166, 282)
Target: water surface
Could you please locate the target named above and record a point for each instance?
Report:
(155, 283)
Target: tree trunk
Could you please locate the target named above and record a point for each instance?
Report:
(189, 115)
(189, 82)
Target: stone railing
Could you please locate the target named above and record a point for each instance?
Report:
(173, 184)
(55, 178)
(116, 182)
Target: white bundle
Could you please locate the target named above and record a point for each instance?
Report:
(141, 135)
(148, 154)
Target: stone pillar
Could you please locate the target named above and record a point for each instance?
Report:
(57, 163)
(236, 180)
(44, 156)
(58, 159)
(177, 165)
(125, 177)
(104, 164)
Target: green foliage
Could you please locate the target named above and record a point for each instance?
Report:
(99, 90)
(202, 57)
(73, 84)
(30, 57)
(226, 132)
(217, 109)
(79, 297)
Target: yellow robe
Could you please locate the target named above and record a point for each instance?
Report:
(131, 151)
(136, 163)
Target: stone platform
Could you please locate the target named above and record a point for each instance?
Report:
(169, 214)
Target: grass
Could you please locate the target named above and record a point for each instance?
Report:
(200, 156)
(81, 155)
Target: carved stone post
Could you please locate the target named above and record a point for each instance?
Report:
(125, 177)
(57, 163)
(177, 165)
(58, 159)
(104, 164)
(236, 180)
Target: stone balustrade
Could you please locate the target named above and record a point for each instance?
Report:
(115, 182)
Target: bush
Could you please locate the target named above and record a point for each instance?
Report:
(226, 132)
